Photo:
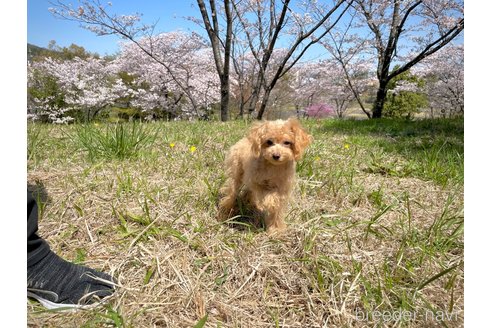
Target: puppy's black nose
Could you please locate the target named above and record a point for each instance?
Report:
(276, 157)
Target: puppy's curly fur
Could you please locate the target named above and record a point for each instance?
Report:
(264, 165)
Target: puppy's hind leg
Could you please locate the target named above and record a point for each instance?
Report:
(227, 202)
(229, 192)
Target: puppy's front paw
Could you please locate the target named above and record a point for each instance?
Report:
(226, 208)
(277, 229)
(223, 214)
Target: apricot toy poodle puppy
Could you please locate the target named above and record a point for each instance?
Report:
(263, 166)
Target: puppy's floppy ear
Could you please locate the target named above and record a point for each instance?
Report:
(255, 134)
(302, 138)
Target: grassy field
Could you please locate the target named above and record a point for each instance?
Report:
(375, 233)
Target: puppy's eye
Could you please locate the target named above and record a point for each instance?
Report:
(287, 143)
(269, 142)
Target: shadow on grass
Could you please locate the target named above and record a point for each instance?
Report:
(245, 223)
(38, 192)
(244, 216)
(433, 148)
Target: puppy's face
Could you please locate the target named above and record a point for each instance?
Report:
(279, 141)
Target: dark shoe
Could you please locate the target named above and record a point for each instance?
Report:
(56, 283)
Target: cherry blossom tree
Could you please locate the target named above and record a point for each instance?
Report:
(404, 32)
(265, 40)
(243, 76)
(221, 47)
(45, 100)
(320, 111)
(96, 17)
(444, 76)
(326, 82)
(82, 85)
(264, 23)
(392, 33)
(346, 83)
(182, 84)
(247, 72)
(306, 84)
(352, 62)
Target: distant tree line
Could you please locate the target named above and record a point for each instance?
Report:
(389, 58)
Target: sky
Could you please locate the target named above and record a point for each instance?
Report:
(170, 15)
(42, 26)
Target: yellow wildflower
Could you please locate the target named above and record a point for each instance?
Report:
(172, 144)
(346, 146)
(192, 149)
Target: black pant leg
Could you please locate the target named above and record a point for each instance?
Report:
(37, 248)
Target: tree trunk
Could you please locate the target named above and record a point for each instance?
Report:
(241, 106)
(224, 98)
(253, 100)
(377, 109)
(223, 67)
(263, 104)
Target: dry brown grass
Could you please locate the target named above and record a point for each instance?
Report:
(150, 222)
